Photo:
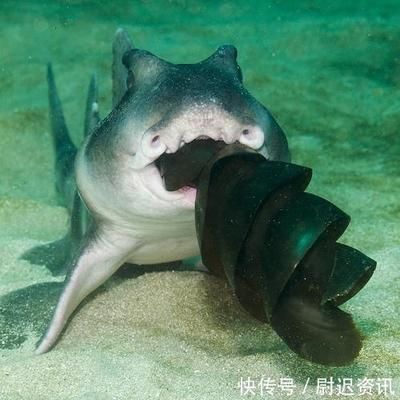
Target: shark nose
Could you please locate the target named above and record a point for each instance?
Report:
(152, 145)
(252, 136)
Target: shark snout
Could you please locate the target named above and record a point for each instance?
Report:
(171, 133)
(209, 123)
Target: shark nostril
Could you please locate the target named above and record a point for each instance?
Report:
(155, 141)
(248, 134)
(152, 145)
(252, 136)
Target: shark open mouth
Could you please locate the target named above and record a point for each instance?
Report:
(181, 170)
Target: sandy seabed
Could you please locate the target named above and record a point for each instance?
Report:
(330, 75)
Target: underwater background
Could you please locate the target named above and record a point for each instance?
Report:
(330, 74)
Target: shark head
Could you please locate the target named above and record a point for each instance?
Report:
(188, 101)
(166, 106)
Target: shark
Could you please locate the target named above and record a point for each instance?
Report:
(120, 210)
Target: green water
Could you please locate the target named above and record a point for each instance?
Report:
(329, 73)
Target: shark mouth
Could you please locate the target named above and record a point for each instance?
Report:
(181, 170)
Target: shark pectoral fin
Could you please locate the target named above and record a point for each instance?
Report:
(95, 262)
(121, 45)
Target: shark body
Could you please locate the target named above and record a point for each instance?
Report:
(120, 209)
